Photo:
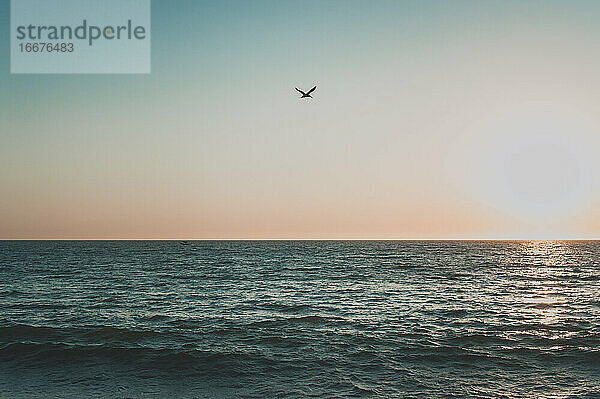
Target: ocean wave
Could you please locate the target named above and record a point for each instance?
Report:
(39, 355)
(295, 319)
(284, 307)
(23, 332)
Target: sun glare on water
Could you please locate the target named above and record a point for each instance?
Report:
(544, 262)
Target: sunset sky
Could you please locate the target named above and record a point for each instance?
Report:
(432, 119)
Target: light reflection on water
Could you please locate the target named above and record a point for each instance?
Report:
(513, 319)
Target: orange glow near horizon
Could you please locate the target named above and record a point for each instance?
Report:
(426, 128)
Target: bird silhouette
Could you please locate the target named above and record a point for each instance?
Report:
(307, 94)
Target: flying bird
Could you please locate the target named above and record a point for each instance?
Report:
(306, 95)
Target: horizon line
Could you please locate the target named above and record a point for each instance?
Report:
(302, 239)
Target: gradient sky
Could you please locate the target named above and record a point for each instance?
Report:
(432, 119)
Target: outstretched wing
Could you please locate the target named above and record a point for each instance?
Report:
(300, 91)
(311, 90)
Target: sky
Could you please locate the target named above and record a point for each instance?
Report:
(432, 120)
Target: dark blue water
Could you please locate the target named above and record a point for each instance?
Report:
(299, 319)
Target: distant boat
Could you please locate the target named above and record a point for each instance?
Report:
(306, 95)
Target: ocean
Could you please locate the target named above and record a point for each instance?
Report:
(295, 319)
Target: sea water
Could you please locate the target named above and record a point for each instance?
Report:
(287, 319)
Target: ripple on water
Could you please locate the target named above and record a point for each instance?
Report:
(296, 319)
